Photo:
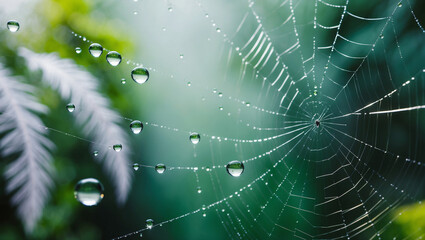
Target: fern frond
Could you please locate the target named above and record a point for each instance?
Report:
(29, 174)
(92, 112)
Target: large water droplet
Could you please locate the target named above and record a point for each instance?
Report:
(195, 138)
(70, 107)
(140, 75)
(113, 58)
(235, 168)
(136, 126)
(136, 166)
(96, 50)
(78, 50)
(149, 223)
(117, 147)
(160, 168)
(13, 25)
(89, 191)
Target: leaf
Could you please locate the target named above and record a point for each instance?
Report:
(92, 112)
(29, 174)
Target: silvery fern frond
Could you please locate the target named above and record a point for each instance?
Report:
(92, 112)
(29, 174)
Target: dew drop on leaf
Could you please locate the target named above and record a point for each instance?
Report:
(149, 223)
(140, 75)
(96, 50)
(136, 166)
(13, 25)
(235, 168)
(95, 153)
(160, 168)
(89, 191)
(78, 50)
(117, 147)
(136, 126)
(70, 107)
(195, 138)
(170, 9)
(113, 58)
(199, 190)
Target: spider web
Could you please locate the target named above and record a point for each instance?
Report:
(321, 100)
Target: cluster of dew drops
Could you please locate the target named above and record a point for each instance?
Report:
(90, 191)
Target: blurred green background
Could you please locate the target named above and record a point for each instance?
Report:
(148, 32)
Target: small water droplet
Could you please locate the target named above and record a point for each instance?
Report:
(170, 9)
(141, 235)
(113, 58)
(136, 166)
(189, 84)
(220, 94)
(164, 29)
(136, 126)
(218, 30)
(70, 107)
(382, 36)
(135, 12)
(89, 191)
(160, 168)
(117, 147)
(13, 25)
(195, 138)
(206, 15)
(248, 104)
(95, 153)
(220, 108)
(400, 4)
(214, 90)
(199, 190)
(181, 56)
(96, 50)
(123, 81)
(149, 223)
(204, 215)
(78, 50)
(140, 75)
(235, 168)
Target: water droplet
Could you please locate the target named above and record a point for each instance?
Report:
(214, 90)
(204, 215)
(96, 50)
(199, 190)
(170, 9)
(248, 104)
(135, 12)
(123, 81)
(70, 107)
(206, 15)
(95, 153)
(235, 168)
(136, 166)
(181, 56)
(136, 126)
(164, 29)
(113, 58)
(382, 36)
(89, 191)
(160, 168)
(117, 147)
(140, 75)
(195, 138)
(220, 108)
(149, 223)
(13, 25)
(218, 30)
(400, 4)
(189, 84)
(78, 50)
(220, 94)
